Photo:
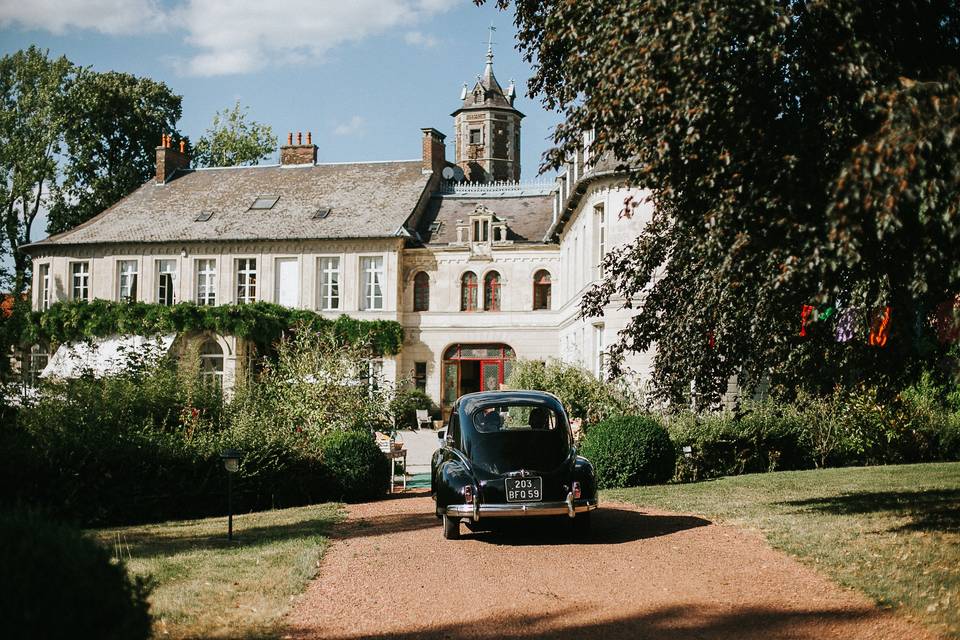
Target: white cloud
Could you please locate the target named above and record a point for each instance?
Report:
(351, 127)
(232, 36)
(419, 39)
(112, 17)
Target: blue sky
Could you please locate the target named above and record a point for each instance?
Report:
(363, 75)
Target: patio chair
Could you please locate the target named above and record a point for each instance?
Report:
(423, 418)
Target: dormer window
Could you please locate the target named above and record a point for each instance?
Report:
(481, 230)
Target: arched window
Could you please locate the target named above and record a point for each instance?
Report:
(468, 292)
(421, 292)
(541, 290)
(491, 291)
(211, 362)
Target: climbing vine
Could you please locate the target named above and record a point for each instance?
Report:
(261, 322)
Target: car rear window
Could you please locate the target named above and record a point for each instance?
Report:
(515, 417)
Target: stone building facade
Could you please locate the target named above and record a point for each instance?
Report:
(478, 272)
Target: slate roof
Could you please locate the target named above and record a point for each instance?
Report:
(366, 200)
(528, 217)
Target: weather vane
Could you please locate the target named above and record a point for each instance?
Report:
(490, 41)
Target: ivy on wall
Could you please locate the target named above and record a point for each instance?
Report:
(261, 322)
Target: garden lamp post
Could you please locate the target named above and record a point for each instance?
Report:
(231, 462)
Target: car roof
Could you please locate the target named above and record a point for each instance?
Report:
(473, 401)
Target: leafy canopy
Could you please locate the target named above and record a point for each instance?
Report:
(234, 140)
(795, 152)
(71, 140)
(112, 126)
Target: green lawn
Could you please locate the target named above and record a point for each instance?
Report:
(209, 587)
(892, 532)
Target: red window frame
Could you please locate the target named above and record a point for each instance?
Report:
(491, 291)
(421, 292)
(468, 291)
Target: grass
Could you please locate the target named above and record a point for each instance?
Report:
(892, 532)
(208, 587)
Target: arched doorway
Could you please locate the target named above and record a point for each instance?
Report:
(474, 367)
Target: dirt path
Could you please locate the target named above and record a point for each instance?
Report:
(643, 574)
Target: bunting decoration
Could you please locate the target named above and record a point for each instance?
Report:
(805, 312)
(847, 322)
(880, 328)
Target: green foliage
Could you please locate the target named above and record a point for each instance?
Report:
(233, 140)
(849, 427)
(113, 123)
(262, 322)
(57, 583)
(629, 450)
(32, 91)
(144, 444)
(356, 468)
(583, 396)
(764, 437)
(404, 407)
(795, 152)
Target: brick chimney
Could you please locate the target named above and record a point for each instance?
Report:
(169, 159)
(294, 154)
(434, 151)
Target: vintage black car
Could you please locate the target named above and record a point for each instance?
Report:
(510, 454)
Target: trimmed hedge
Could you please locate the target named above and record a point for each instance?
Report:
(57, 583)
(628, 451)
(355, 467)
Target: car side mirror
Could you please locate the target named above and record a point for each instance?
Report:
(442, 434)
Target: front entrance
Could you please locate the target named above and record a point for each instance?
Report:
(468, 368)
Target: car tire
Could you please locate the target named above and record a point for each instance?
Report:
(581, 525)
(451, 528)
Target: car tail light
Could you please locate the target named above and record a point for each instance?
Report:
(576, 489)
(468, 494)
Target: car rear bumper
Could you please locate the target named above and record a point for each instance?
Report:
(570, 507)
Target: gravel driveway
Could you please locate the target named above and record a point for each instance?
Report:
(642, 574)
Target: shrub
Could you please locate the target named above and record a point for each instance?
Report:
(59, 584)
(763, 437)
(583, 396)
(404, 407)
(355, 467)
(628, 451)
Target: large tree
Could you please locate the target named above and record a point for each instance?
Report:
(233, 140)
(73, 141)
(112, 127)
(796, 152)
(32, 89)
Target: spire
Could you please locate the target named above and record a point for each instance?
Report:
(488, 79)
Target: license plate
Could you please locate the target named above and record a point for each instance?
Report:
(524, 489)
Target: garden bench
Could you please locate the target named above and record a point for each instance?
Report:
(423, 418)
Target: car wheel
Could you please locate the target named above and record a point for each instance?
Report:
(581, 525)
(451, 527)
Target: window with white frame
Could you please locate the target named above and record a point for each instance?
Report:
(211, 362)
(329, 272)
(127, 272)
(43, 285)
(600, 215)
(166, 277)
(206, 282)
(79, 280)
(371, 268)
(246, 280)
(599, 354)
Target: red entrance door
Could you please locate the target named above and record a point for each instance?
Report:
(491, 375)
